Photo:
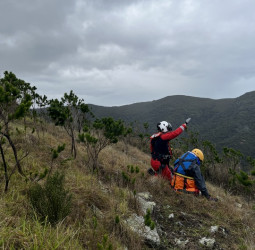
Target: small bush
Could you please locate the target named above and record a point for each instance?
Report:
(117, 219)
(148, 221)
(51, 201)
(104, 245)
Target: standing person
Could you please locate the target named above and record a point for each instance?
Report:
(161, 151)
(187, 174)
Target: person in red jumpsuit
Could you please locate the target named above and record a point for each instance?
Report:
(160, 148)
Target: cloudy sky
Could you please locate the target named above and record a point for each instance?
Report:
(117, 52)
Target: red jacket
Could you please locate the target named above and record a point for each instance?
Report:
(160, 141)
(161, 151)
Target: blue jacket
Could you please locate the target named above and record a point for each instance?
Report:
(188, 164)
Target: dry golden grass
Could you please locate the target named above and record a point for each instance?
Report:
(98, 199)
(238, 213)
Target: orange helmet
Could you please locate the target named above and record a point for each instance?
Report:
(198, 153)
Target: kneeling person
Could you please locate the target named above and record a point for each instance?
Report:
(187, 174)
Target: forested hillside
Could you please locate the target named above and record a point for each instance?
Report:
(224, 122)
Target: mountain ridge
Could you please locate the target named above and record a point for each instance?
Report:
(225, 122)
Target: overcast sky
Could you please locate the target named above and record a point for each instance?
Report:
(117, 52)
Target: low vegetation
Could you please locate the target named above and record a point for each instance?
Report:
(102, 201)
(55, 198)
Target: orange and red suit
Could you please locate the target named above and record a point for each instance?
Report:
(187, 175)
(161, 151)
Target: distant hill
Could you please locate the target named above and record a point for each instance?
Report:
(225, 122)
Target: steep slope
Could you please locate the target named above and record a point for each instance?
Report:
(103, 202)
(225, 122)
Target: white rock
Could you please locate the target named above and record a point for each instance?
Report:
(181, 243)
(145, 205)
(239, 205)
(145, 195)
(143, 198)
(171, 216)
(136, 224)
(214, 229)
(208, 242)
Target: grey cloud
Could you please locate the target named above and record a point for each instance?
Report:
(33, 15)
(119, 51)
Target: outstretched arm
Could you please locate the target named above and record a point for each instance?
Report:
(172, 134)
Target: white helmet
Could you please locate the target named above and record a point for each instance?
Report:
(164, 126)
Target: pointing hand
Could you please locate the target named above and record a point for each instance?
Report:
(188, 120)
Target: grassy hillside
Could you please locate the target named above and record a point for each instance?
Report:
(225, 122)
(102, 202)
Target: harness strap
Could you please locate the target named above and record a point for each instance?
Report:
(160, 157)
(182, 160)
(184, 176)
(174, 178)
(184, 183)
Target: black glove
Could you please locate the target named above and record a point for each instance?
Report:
(151, 171)
(210, 198)
(187, 120)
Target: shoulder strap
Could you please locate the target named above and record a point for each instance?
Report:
(155, 135)
(183, 159)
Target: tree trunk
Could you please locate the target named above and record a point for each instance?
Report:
(15, 153)
(5, 169)
(73, 150)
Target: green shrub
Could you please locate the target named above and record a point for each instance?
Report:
(51, 201)
(104, 245)
(117, 219)
(148, 221)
